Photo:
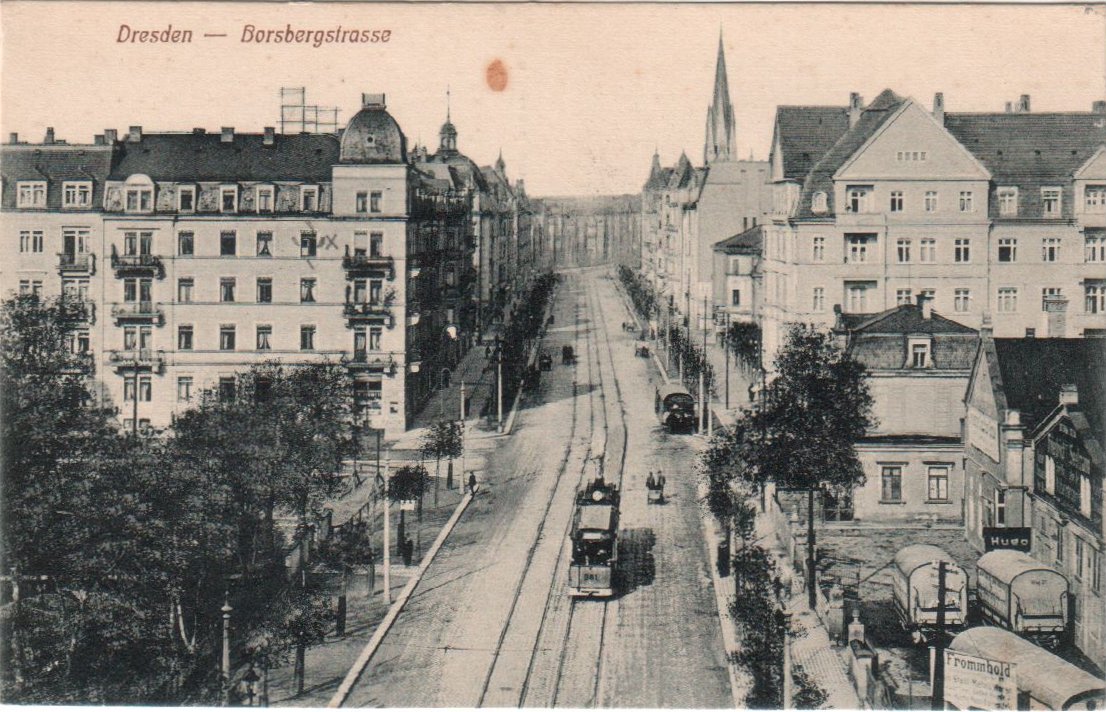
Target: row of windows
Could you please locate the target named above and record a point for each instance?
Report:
(861, 199)
(370, 391)
(861, 248)
(937, 483)
(74, 194)
(364, 339)
(363, 291)
(1087, 560)
(857, 301)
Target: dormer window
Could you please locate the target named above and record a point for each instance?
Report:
(1050, 202)
(265, 198)
(819, 203)
(31, 194)
(228, 199)
(76, 194)
(857, 198)
(309, 198)
(1008, 201)
(920, 353)
(186, 199)
(139, 195)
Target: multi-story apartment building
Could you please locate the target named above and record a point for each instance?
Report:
(737, 275)
(984, 213)
(218, 251)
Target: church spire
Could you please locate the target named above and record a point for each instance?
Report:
(721, 134)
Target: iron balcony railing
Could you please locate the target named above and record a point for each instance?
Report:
(82, 262)
(152, 359)
(138, 311)
(137, 263)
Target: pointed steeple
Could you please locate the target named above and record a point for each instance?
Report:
(721, 134)
(500, 164)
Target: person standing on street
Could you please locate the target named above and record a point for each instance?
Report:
(472, 483)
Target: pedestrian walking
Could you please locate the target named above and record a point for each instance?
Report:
(472, 483)
(650, 481)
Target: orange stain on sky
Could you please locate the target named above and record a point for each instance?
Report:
(496, 75)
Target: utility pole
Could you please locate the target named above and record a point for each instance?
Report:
(787, 683)
(938, 698)
(703, 395)
(499, 382)
(134, 406)
(726, 348)
(387, 536)
(226, 609)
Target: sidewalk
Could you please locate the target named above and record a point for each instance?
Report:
(445, 403)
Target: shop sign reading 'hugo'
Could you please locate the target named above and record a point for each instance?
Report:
(973, 683)
(1018, 538)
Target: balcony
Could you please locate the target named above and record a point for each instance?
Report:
(362, 360)
(138, 359)
(361, 264)
(379, 312)
(138, 311)
(147, 265)
(83, 263)
(73, 309)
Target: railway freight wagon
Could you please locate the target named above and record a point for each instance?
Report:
(1045, 681)
(1023, 595)
(591, 572)
(914, 582)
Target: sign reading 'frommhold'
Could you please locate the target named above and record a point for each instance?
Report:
(979, 683)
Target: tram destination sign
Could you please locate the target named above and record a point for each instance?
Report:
(974, 683)
(1019, 538)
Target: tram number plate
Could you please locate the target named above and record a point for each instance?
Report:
(594, 576)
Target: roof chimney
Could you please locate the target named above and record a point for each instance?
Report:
(227, 135)
(111, 136)
(1069, 394)
(926, 305)
(13, 137)
(1023, 104)
(270, 135)
(373, 101)
(1099, 107)
(49, 136)
(939, 107)
(98, 140)
(856, 106)
(198, 131)
(135, 134)
(986, 328)
(1009, 107)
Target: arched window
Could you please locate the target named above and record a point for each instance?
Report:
(819, 204)
(138, 194)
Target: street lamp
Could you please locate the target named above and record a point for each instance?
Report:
(226, 609)
(787, 683)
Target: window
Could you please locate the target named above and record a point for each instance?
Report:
(184, 338)
(76, 194)
(896, 201)
(857, 298)
(1095, 297)
(856, 198)
(931, 201)
(360, 343)
(130, 290)
(184, 289)
(139, 199)
(818, 303)
(184, 389)
(911, 155)
(226, 337)
(264, 338)
(130, 243)
(902, 249)
(375, 335)
(362, 203)
(962, 250)
(1007, 249)
(264, 244)
(186, 244)
(919, 355)
(75, 240)
(1085, 495)
(1050, 202)
(818, 249)
(374, 201)
(308, 244)
(228, 243)
(307, 289)
(30, 240)
(228, 199)
(264, 290)
(1047, 292)
(1008, 202)
(31, 194)
(309, 198)
(376, 287)
(1096, 570)
(226, 289)
(1000, 507)
(857, 248)
(1050, 475)
(84, 342)
(1050, 249)
(307, 338)
(186, 199)
(819, 203)
(1008, 299)
(937, 488)
(376, 244)
(966, 201)
(735, 297)
(1094, 197)
(128, 392)
(265, 196)
(962, 301)
(903, 296)
(930, 295)
(891, 483)
(928, 250)
(1094, 248)
(360, 291)
(1059, 544)
(227, 388)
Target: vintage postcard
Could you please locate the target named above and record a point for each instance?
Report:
(636, 355)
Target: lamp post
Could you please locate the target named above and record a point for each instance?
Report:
(787, 682)
(226, 609)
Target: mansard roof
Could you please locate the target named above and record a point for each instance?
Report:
(880, 341)
(743, 243)
(205, 157)
(54, 164)
(805, 134)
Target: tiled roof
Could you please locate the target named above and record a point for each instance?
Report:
(54, 164)
(880, 341)
(820, 177)
(806, 133)
(742, 243)
(1031, 151)
(908, 319)
(1033, 370)
(204, 157)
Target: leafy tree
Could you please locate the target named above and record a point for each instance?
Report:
(743, 340)
(442, 440)
(409, 483)
(816, 408)
(295, 619)
(349, 546)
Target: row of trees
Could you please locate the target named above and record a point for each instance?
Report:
(122, 550)
(524, 324)
(800, 437)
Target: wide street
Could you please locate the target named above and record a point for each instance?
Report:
(491, 623)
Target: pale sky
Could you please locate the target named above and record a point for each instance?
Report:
(592, 89)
